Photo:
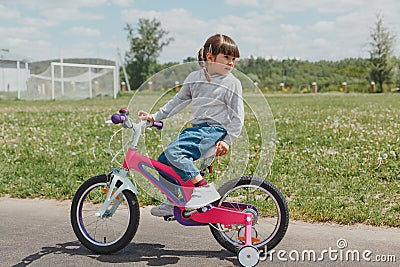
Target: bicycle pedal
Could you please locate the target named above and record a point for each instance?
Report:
(187, 213)
(169, 218)
(205, 208)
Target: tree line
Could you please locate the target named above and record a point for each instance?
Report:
(352, 74)
(379, 72)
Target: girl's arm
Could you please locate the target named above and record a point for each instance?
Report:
(176, 104)
(173, 106)
(236, 113)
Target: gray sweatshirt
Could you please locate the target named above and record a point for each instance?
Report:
(218, 102)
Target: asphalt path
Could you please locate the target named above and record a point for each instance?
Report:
(38, 233)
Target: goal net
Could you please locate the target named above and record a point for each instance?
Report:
(72, 81)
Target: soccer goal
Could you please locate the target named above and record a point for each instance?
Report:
(73, 81)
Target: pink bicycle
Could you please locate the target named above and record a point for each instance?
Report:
(250, 218)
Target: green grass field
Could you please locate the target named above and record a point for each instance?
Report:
(336, 159)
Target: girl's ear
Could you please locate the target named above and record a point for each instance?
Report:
(209, 56)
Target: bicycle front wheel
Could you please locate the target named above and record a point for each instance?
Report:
(112, 231)
(266, 203)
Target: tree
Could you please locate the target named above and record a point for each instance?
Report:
(145, 47)
(382, 41)
(189, 59)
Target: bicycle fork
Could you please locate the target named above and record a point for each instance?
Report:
(119, 182)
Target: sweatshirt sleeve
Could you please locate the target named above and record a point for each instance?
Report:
(176, 104)
(236, 113)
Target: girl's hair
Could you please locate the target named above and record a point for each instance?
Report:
(217, 44)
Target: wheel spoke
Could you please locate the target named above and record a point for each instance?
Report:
(264, 201)
(110, 232)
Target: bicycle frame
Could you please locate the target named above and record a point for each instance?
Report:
(204, 216)
(105, 212)
(138, 162)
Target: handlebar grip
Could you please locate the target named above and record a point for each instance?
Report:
(124, 111)
(118, 118)
(158, 124)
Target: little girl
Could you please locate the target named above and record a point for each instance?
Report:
(218, 115)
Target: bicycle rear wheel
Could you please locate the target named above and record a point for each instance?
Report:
(114, 230)
(264, 201)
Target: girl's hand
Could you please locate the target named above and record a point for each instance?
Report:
(222, 148)
(143, 115)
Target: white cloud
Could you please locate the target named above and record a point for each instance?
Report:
(81, 49)
(320, 42)
(83, 31)
(70, 14)
(30, 48)
(290, 27)
(312, 29)
(287, 6)
(323, 26)
(62, 10)
(8, 13)
(123, 3)
(338, 6)
(50, 4)
(38, 22)
(188, 31)
(90, 3)
(242, 2)
(132, 15)
(320, 6)
(25, 32)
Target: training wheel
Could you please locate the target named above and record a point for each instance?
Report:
(248, 256)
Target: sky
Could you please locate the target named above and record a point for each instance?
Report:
(308, 30)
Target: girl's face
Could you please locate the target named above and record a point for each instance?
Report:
(223, 63)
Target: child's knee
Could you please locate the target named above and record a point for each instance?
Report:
(163, 159)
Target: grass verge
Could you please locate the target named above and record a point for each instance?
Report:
(337, 155)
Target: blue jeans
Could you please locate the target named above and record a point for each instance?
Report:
(189, 146)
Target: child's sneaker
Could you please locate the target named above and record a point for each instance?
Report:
(164, 209)
(202, 196)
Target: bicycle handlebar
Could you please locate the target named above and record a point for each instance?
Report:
(118, 118)
(122, 117)
(158, 124)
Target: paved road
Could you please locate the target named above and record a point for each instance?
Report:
(38, 233)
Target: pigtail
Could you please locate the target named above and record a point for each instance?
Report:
(202, 61)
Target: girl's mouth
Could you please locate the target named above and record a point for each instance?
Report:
(228, 69)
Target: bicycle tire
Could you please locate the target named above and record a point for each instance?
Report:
(234, 190)
(87, 201)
